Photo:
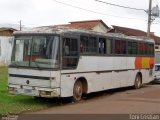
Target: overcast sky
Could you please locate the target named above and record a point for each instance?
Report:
(49, 12)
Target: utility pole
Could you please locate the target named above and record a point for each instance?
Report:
(20, 25)
(149, 18)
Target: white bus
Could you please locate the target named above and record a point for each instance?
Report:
(65, 62)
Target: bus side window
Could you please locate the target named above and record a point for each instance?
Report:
(117, 47)
(141, 48)
(66, 42)
(152, 49)
(146, 48)
(66, 50)
(129, 48)
(123, 47)
(70, 52)
(102, 46)
(109, 46)
(92, 45)
(120, 47)
(83, 44)
(88, 45)
(81, 47)
(134, 48)
(149, 49)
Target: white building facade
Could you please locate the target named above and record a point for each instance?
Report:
(6, 45)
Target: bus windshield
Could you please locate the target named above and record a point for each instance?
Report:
(36, 51)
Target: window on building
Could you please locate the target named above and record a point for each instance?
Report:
(156, 47)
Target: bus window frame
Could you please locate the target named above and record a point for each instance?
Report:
(70, 36)
(112, 39)
(102, 37)
(37, 34)
(89, 36)
(132, 41)
(120, 40)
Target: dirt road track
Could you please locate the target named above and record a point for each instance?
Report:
(121, 101)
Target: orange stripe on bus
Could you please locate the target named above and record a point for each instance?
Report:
(151, 62)
(144, 62)
(138, 62)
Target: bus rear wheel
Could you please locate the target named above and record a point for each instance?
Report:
(138, 82)
(77, 91)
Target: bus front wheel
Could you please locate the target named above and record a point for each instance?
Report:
(77, 91)
(138, 82)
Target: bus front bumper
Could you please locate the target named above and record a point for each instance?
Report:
(34, 91)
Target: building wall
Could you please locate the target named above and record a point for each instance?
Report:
(157, 47)
(6, 45)
(100, 28)
(157, 57)
(6, 33)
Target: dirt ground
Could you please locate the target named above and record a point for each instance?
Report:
(119, 101)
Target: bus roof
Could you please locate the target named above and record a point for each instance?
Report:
(64, 29)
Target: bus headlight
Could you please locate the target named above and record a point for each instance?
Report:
(48, 93)
(45, 93)
(11, 89)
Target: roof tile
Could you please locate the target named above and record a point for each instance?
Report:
(134, 32)
(89, 24)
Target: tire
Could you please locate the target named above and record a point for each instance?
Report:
(77, 91)
(138, 82)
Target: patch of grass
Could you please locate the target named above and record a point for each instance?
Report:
(17, 103)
